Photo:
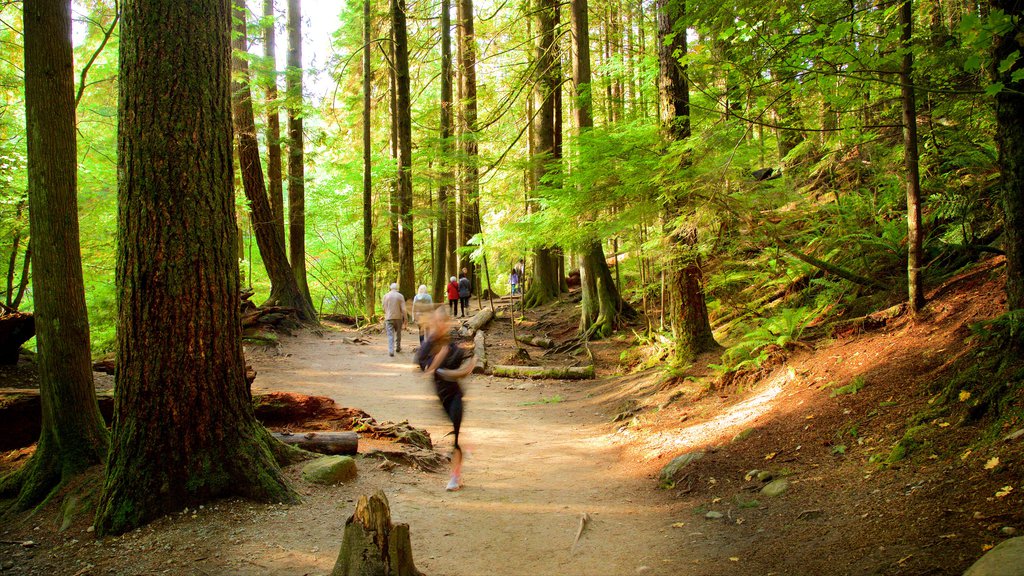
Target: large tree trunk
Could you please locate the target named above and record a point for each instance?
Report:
(688, 313)
(403, 120)
(469, 187)
(1010, 140)
(184, 430)
(296, 155)
(393, 203)
(274, 176)
(73, 436)
(910, 158)
(444, 191)
(283, 289)
(601, 302)
(545, 285)
(369, 292)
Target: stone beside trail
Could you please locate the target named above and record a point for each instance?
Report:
(329, 470)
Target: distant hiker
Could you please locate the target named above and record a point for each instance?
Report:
(465, 291)
(394, 318)
(422, 306)
(513, 279)
(446, 362)
(453, 295)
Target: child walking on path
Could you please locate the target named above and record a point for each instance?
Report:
(446, 362)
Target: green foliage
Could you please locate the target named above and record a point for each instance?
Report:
(780, 331)
(855, 385)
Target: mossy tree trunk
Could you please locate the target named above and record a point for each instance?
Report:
(1010, 140)
(688, 312)
(445, 190)
(545, 285)
(370, 293)
(296, 152)
(403, 122)
(915, 287)
(284, 291)
(184, 430)
(73, 436)
(274, 172)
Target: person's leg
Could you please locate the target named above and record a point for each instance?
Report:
(454, 410)
(389, 328)
(399, 328)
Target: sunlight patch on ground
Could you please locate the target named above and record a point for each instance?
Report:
(728, 423)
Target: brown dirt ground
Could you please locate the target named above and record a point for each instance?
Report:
(545, 452)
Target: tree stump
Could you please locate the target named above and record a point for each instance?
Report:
(372, 545)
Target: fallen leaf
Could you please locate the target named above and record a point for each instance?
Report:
(965, 455)
(734, 559)
(987, 547)
(943, 424)
(965, 395)
(678, 524)
(992, 463)
(716, 500)
(770, 455)
(1004, 492)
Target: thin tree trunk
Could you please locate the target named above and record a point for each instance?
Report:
(910, 158)
(26, 275)
(393, 201)
(184, 431)
(369, 292)
(283, 289)
(12, 263)
(1010, 141)
(444, 191)
(274, 176)
(296, 156)
(73, 436)
(406, 271)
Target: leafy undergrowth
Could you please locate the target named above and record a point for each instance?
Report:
(893, 451)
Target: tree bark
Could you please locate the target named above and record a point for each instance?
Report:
(72, 436)
(184, 430)
(1010, 141)
(403, 120)
(12, 263)
(469, 187)
(688, 313)
(274, 163)
(368, 284)
(283, 289)
(296, 155)
(444, 191)
(910, 159)
(372, 545)
(545, 285)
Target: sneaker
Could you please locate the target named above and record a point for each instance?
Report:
(391, 353)
(453, 484)
(399, 349)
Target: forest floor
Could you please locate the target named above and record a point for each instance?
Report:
(543, 453)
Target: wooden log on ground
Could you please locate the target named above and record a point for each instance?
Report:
(544, 372)
(538, 341)
(321, 442)
(477, 322)
(16, 328)
(340, 318)
(21, 414)
(480, 351)
(372, 545)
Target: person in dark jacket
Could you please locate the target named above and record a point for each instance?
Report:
(465, 290)
(453, 296)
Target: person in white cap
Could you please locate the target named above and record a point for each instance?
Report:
(394, 318)
(422, 306)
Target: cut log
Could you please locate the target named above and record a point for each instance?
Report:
(538, 341)
(480, 351)
(321, 442)
(372, 545)
(475, 323)
(544, 372)
(340, 318)
(16, 328)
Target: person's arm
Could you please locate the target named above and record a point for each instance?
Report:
(461, 371)
(438, 359)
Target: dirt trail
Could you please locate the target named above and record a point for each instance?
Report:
(536, 464)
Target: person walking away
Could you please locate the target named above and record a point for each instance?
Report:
(446, 363)
(453, 295)
(465, 291)
(513, 279)
(394, 318)
(422, 306)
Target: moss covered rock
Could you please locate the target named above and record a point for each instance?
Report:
(329, 470)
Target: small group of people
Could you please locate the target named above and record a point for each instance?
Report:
(439, 356)
(459, 292)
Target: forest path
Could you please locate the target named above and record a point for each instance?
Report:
(539, 459)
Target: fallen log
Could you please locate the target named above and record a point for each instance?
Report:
(538, 341)
(322, 442)
(16, 328)
(340, 318)
(372, 545)
(477, 322)
(544, 372)
(480, 351)
(21, 415)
